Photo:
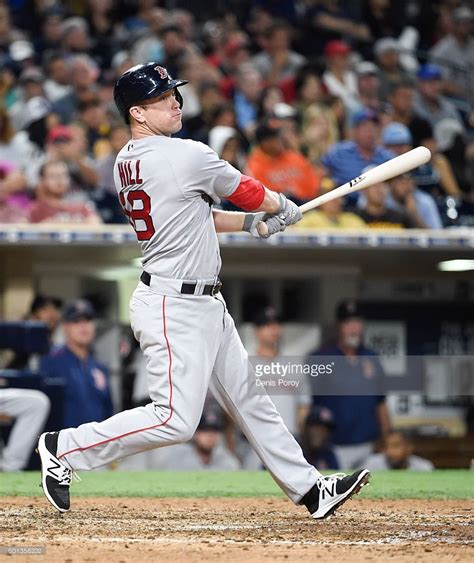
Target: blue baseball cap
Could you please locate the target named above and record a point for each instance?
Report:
(396, 134)
(429, 71)
(364, 114)
(78, 310)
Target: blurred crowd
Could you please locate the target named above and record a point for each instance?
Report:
(303, 95)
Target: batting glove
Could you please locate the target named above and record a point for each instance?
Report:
(274, 224)
(289, 211)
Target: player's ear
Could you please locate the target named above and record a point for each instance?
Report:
(137, 112)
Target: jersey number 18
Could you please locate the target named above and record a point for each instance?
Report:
(138, 216)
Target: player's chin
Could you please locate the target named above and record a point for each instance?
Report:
(177, 125)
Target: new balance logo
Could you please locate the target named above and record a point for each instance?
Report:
(329, 490)
(52, 469)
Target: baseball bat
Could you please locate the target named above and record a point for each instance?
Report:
(386, 171)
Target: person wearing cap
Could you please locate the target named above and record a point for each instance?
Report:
(353, 389)
(387, 57)
(331, 215)
(87, 390)
(282, 170)
(277, 62)
(316, 442)
(346, 159)
(429, 102)
(454, 53)
(404, 195)
(339, 79)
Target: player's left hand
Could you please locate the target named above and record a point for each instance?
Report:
(275, 223)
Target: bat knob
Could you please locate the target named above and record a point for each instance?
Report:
(262, 229)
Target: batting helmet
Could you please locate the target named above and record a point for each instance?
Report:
(143, 82)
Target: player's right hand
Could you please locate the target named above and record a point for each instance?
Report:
(289, 211)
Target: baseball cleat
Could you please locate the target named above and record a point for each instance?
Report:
(331, 492)
(55, 476)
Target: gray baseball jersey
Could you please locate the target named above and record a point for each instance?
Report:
(161, 182)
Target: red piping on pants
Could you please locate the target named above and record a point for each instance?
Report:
(170, 363)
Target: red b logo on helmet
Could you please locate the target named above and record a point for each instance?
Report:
(162, 72)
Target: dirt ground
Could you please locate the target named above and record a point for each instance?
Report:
(131, 529)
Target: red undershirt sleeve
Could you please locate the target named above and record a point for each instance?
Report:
(249, 194)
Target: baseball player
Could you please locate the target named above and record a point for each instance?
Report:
(167, 187)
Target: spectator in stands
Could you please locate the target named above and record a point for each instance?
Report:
(397, 453)
(401, 98)
(226, 142)
(319, 130)
(339, 79)
(51, 30)
(247, 94)
(368, 86)
(316, 442)
(330, 215)
(435, 176)
(14, 201)
(58, 82)
(352, 392)
(387, 56)
(28, 410)
(51, 203)
(118, 137)
(31, 86)
(76, 38)
(280, 169)
(455, 55)
(405, 196)
(93, 116)
(376, 213)
(277, 63)
(87, 391)
(8, 32)
(69, 143)
(332, 18)
(346, 159)
(175, 48)
(84, 73)
(30, 143)
(210, 101)
(429, 102)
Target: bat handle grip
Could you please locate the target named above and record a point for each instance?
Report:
(262, 229)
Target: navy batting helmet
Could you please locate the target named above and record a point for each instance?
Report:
(143, 82)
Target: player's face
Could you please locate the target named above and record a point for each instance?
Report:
(162, 115)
